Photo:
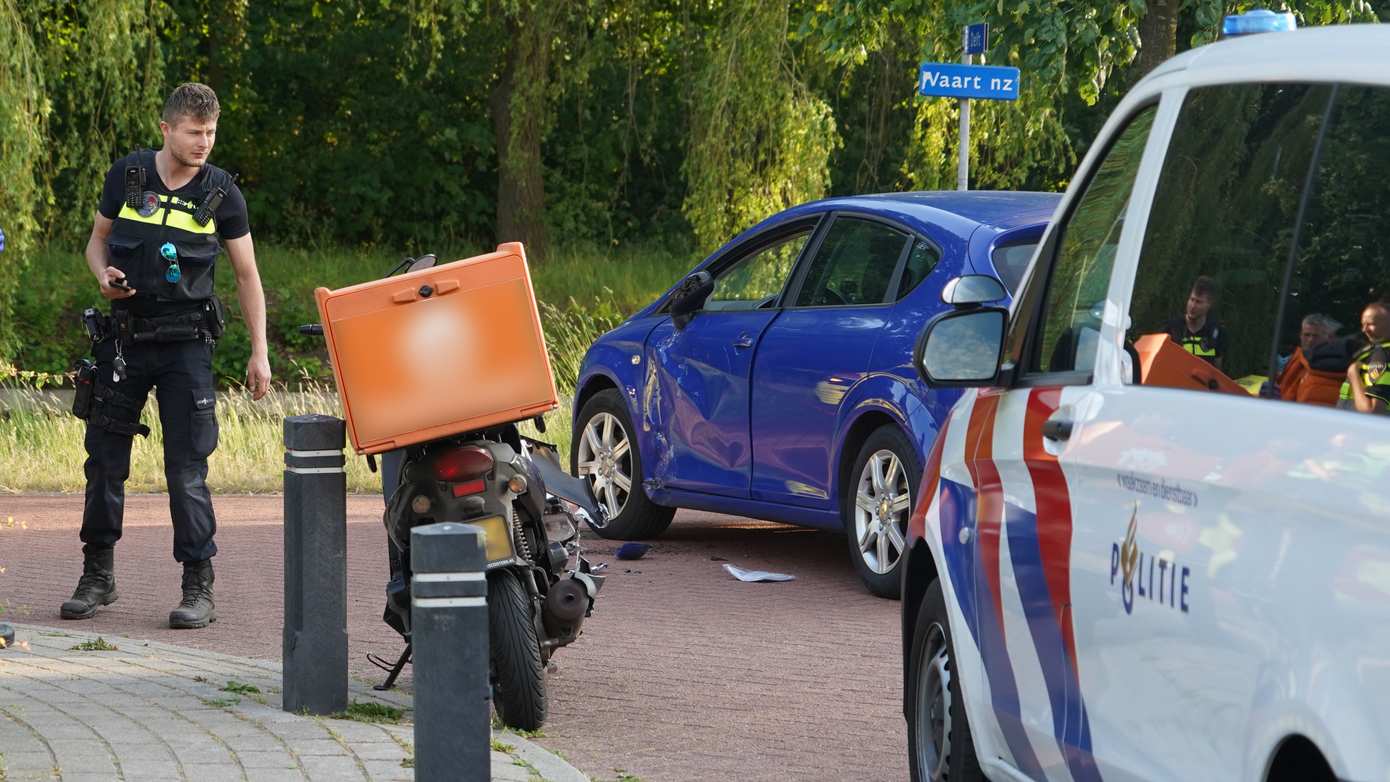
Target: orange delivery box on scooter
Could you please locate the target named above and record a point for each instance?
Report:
(438, 351)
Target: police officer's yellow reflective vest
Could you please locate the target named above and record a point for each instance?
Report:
(167, 245)
(1371, 362)
(1197, 346)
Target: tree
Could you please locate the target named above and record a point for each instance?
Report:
(760, 139)
(521, 114)
(23, 126)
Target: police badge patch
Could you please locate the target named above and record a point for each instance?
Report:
(149, 203)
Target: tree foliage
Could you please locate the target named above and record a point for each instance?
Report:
(413, 125)
(23, 117)
(760, 139)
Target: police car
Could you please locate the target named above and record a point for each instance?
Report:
(1136, 560)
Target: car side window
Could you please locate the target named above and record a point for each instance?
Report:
(854, 265)
(1263, 268)
(757, 279)
(921, 259)
(1080, 274)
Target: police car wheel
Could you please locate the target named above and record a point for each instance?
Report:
(878, 498)
(604, 452)
(938, 735)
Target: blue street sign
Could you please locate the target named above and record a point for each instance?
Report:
(976, 38)
(950, 80)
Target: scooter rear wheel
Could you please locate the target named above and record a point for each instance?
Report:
(518, 690)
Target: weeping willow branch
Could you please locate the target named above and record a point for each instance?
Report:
(760, 140)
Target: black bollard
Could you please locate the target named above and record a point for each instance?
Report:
(453, 715)
(315, 677)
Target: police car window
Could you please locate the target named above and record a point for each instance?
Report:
(854, 265)
(1080, 272)
(1266, 247)
(757, 279)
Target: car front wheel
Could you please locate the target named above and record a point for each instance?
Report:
(883, 484)
(604, 453)
(938, 736)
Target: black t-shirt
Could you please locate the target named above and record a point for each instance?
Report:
(1211, 335)
(232, 221)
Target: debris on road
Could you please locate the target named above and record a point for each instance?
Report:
(756, 575)
(632, 550)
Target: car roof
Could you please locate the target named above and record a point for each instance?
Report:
(959, 212)
(1352, 52)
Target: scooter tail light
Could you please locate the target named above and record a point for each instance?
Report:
(466, 488)
(462, 464)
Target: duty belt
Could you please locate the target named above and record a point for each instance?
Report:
(160, 328)
(163, 328)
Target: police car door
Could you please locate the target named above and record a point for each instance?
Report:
(1044, 561)
(1208, 524)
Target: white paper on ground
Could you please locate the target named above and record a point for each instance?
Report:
(756, 575)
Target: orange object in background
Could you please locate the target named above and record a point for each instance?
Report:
(1163, 362)
(439, 351)
(1299, 382)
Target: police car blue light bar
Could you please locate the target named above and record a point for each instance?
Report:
(1259, 20)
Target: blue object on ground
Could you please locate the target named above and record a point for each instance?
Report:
(633, 550)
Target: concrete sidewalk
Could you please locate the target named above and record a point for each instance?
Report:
(74, 710)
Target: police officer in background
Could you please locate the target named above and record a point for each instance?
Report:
(1197, 330)
(163, 220)
(1367, 388)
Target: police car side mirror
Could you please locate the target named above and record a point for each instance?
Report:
(962, 348)
(972, 290)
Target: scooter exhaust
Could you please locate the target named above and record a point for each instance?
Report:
(566, 605)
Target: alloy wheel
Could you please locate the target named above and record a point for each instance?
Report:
(882, 502)
(605, 459)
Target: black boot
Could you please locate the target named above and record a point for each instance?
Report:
(196, 609)
(96, 588)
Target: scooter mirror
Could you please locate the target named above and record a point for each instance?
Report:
(423, 262)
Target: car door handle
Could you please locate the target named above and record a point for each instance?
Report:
(743, 342)
(1057, 429)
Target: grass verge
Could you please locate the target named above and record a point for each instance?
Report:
(41, 444)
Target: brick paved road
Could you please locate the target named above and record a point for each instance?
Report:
(683, 673)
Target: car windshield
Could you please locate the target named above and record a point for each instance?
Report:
(1011, 261)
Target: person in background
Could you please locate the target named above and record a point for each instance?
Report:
(1197, 330)
(1367, 389)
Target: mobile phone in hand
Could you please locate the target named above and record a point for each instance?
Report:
(120, 283)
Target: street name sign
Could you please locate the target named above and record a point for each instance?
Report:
(976, 38)
(951, 80)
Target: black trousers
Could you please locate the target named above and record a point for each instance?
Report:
(181, 374)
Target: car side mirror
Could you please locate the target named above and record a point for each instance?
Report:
(962, 348)
(972, 290)
(689, 297)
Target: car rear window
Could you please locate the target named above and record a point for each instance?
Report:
(1011, 261)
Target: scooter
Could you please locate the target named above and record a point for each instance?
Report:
(539, 586)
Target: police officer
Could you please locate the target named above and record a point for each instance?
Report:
(1367, 388)
(163, 220)
(1198, 331)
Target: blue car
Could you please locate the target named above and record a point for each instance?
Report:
(777, 380)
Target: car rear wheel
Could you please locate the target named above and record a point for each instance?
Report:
(604, 452)
(883, 484)
(938, 735)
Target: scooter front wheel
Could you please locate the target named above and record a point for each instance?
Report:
(518, 690)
